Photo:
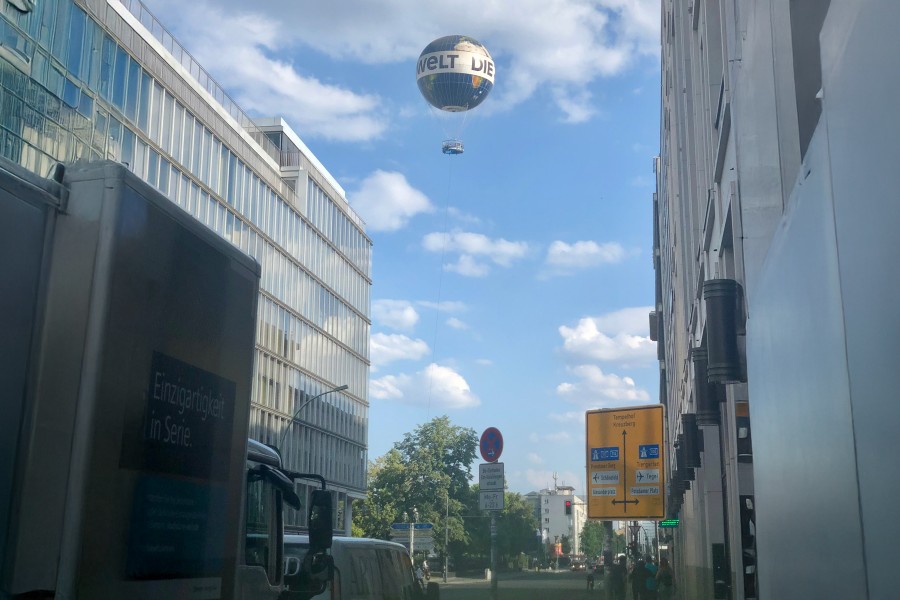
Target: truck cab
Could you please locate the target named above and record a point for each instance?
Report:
(269, 489)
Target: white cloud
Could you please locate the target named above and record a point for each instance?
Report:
(387, 348)
(576, 107)
(596, 389)
(535, 459)
(563, 258)
(484, 362)
(621, 337)
(439, 386)
(560, 46)
(555, 436)
(457, 324)
(246, 49)
(574, 416)
(467, 266)
(386, 201)
(475, 251)
(463, 217)
(444, 305)
(396, 314)
(541, 479)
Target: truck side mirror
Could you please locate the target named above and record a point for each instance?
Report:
(320, 521)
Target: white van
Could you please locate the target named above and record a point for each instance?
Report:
(366, 569)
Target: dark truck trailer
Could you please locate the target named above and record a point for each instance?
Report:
(128, 376)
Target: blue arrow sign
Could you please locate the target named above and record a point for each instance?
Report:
(400, 526)
(424, 526)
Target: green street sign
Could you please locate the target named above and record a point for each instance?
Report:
(668, 523)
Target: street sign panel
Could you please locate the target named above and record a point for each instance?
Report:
(491, 445)
(400, 526)
(422, 544)
(419, 526)
(668, 524)
(490, 476)
(490, 500)
(626, 471)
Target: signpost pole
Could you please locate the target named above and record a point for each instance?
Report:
(412, 538)
(446, 535)
(656, 531)
(493, 556)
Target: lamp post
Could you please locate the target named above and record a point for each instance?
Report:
(446, 534)
(412, 534)
(287, 428)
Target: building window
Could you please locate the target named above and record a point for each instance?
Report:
(806, 25)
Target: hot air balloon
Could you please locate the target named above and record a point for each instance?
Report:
(455, 74)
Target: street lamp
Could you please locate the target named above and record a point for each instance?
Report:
(287, 428)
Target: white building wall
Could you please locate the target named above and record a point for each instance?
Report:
(794, 186)
(555, 523)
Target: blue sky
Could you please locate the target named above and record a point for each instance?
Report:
(511, 284)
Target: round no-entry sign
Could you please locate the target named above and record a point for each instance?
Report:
(491, 444)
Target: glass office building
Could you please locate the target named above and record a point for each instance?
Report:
(103, 79)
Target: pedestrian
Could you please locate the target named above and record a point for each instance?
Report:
(665, 580)
(616, 578)
(650, 580)
(420, 575)
(638, 578)
(590, 581)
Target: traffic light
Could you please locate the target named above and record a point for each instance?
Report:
(568, 507)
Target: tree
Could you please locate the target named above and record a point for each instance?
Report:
(566, 544)
(373, 516)
(592, 535)
(516, 526)
(425, 470)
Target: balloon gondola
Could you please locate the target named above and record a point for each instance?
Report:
(452, 147)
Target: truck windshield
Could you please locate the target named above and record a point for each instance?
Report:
(259, 524)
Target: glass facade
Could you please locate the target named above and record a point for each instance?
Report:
(70, 90)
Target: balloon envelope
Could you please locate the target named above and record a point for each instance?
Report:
(455, 73)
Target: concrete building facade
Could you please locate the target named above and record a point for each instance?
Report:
(550, 511)
(775, 193)
(103, 79)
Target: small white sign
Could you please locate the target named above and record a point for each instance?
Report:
(646, 476)
(645, 490)
(491, 476)
(603, 491)
(600, 477)
(492, 500)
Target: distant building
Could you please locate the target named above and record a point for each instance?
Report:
(551, 512)
(103, 79)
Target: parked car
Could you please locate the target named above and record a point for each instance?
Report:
(365, 567)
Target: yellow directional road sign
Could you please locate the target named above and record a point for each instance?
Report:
(625, 458)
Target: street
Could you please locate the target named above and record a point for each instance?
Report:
(527, 585)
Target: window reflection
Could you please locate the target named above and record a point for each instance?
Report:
(94, 100)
